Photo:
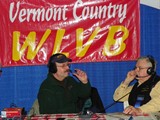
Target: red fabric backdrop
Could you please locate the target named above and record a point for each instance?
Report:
(86, 31)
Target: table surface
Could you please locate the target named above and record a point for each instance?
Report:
(95, 116)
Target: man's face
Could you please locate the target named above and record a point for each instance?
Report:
(142, 67)
(62, 70)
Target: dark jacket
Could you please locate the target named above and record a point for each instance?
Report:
(61, 96)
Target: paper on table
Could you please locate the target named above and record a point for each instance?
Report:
(122, 116)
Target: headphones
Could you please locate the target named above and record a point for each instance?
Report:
(51, 64)
(58, 57)
(151, 70)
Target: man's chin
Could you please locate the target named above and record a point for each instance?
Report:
(66, 74)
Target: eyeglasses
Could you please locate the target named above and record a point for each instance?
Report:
(140, 68)
(63, 66)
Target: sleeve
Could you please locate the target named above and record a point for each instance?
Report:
(122, 91)
(154, 104)
(84, 90)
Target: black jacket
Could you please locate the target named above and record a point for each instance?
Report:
(61, 96)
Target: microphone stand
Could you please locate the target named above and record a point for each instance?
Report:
(87, 114)
(113, 103)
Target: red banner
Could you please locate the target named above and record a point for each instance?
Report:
(85, 30)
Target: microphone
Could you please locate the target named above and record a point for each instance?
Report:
(141, 76)
(72, 71)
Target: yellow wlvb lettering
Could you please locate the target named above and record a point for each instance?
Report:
(58, 41)
(115, 46)
(81, 48)
(29, 43)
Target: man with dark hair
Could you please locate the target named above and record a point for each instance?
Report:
(59, 92)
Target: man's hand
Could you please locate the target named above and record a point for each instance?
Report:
(81, 75)
(133, 111)
(130, 77)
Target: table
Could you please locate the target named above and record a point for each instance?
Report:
(95, 116)
(122, 116)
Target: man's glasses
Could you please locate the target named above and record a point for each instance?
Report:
(64, 65)
(140, 68)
